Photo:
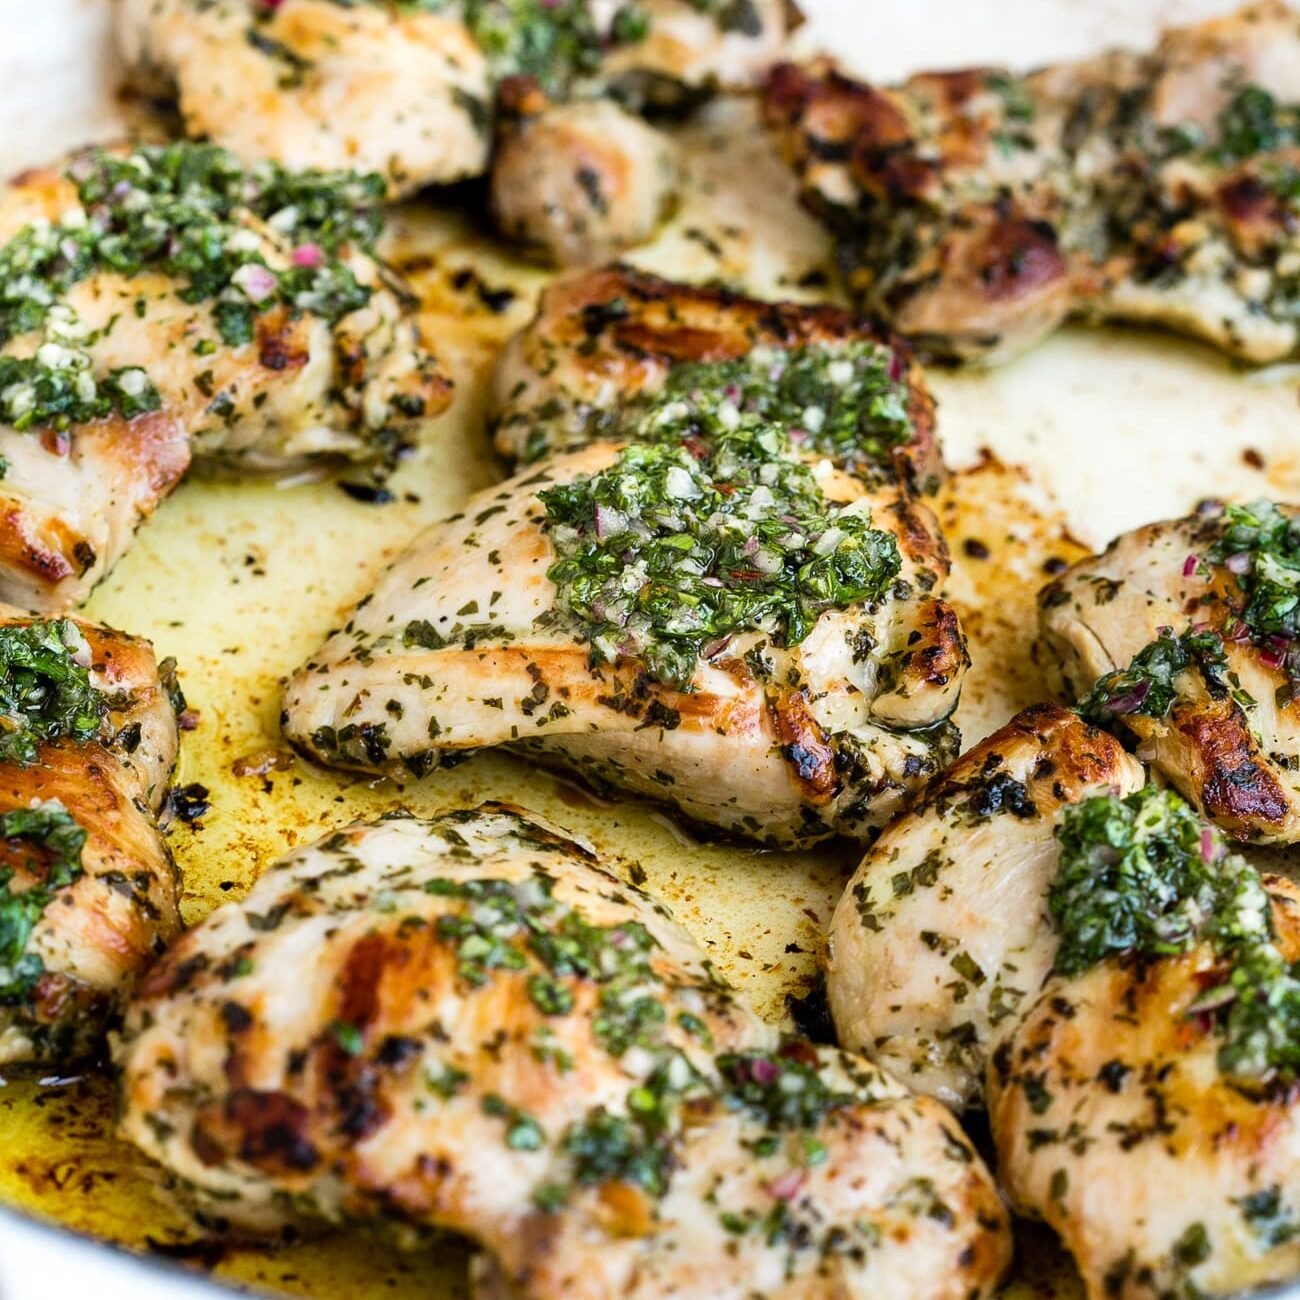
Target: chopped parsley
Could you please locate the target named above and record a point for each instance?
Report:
(711, 526)
(1260, 546)
(1254, 123)
(1132, 877)
(1144, 875)
(44, 842)
(45, 693)
(783, 1088)
(558, 42)
(183, 211)
(1148, 686)
(847, 401)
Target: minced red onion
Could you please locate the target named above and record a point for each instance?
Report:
(257, 281)
(1238, 562)
(1131, 702)
(308, 255)
(785, 1187)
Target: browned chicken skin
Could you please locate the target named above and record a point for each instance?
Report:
(493, 1034)
(943, 930)
(78, 827)
(1114, 1122)
(308, 380)
(1230, 736)
(466, 642)
(576, 180)
(979, 209)
(603, 338)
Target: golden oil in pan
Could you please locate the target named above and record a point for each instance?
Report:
(241, 582)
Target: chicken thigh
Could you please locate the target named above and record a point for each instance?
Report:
(605, 341)
(411, 91)
(162, 303)
(944, 932)
(467, 1023)
(976, 210)
(88, 896)
(1146, 1104)
(578, 182)
(706, 603)
(1183, 633)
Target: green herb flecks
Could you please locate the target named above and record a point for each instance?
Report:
(45, 843)
(848, 401)
(505, 924)
(1260, 546)
(45, 692)
(1132, 878)
(1149, 685)
(718, 528)
(182, 210)
(1254, 122)
(1144, 875)
(785, 1088)
(559, 42)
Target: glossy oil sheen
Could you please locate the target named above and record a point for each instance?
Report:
(1092, 433)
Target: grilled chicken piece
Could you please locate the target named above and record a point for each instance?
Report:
(605, 340)
(267, 80)
(314, 83)
(578, 182)
(189, 347)
(494, 1035)
(88, 894)
(978, 209)
(488, 632)
(1213, 700)
(944, 932)
(1115, 1123)
(470, 639)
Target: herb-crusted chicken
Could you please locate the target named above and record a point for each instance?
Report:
(606, 342)
(1184, 633)
(719, 601)
(578, 182)
(411, 91)
(976, 210)
(1145, 1106)
(88, 739)
(162, 303)
(944, 931)
(495, 1035)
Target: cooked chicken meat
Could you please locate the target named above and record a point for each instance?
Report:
(605, 341)
(164, 303)
(977, 210)
(467, 1023)
(401, 90)
(88, 898)
(1183, 632)
(578, 182)
(411, 92)
(944, 931)
(721, 602)
(1145, 1106)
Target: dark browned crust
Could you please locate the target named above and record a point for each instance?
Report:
(805, 747)
(1223, 770)
(666, 322)
(1071, 756)
(936, 651)
(124, 856)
